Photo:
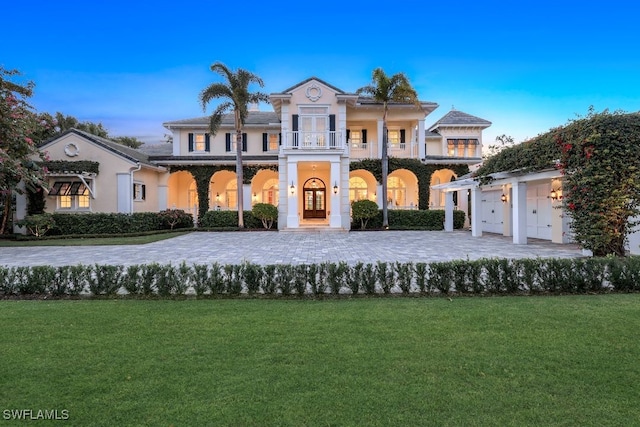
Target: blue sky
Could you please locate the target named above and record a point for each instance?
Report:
(526, 66)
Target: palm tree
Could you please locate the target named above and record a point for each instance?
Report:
(236, 97)
(384, 89)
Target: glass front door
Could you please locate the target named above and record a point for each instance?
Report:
(314, 199)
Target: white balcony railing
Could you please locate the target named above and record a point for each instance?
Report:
(328, 140)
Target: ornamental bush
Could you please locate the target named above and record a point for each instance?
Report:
(118, 223)
(363, 211)
(265, 212)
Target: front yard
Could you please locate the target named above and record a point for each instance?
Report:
(567, 360)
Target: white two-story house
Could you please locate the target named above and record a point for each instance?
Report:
(308, 156)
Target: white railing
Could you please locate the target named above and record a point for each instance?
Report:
(303, 140)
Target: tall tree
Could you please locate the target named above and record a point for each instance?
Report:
(19, 125)
(384, 90)
(235, 95)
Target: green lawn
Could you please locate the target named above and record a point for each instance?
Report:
(502, 361)
(95, 241)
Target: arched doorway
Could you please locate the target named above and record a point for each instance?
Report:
(315, 195)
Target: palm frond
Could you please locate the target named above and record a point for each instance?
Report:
(216, 116)
(214, 91)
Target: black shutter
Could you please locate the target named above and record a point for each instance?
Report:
(364, 136)
(348, 135)
(280, 139)
(294, 123)
(144, 192)
(332, 122)
(190, 142)
(207, 142)
(227, 141)
(402, 136)
(265, 141)
(244, 142)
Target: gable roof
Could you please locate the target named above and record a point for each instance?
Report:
(253, 118)
(459, 118)
(340, 91)
(128, 153)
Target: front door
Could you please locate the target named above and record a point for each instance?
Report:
(314, 199)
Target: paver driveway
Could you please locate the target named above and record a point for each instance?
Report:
(269, 247)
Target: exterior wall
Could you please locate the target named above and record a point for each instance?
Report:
(460, 132)
(110, 165)
(151, 180)
(218, 142)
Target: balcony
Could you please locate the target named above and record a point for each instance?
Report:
(303, 140)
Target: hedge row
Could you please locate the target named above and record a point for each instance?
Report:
(118, 223)
(229, 220)
(432, 219)
(484, 276)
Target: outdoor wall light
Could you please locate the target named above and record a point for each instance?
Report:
(503, 198)
(335, 188)
(217, 197)
(555, 195)
(292, 188)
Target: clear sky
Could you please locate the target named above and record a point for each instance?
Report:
(526, 66)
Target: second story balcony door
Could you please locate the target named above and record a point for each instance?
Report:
(314, 126)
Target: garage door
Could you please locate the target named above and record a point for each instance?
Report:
(492, 211)
(539, 211)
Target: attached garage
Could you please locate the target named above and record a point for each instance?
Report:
(492, 212)
(539, 211)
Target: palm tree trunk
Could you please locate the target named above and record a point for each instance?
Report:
(385, 174)
(239, 143)
(385, 171)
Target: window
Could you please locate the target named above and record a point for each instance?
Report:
(358, 189)
(232, 194)
(139, 192)
(396, 192)
(273, 142)
(394, 137)
(198, 142)
(230, 138)
(71, 195)
(461, 147)
(270, 192)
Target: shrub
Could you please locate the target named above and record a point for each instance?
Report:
(369, 279)
(131, 280)
(216, 279)
(266, 213)
(385, 275)
(404, 275)
(363, 210)
(440, 277)
(38, 279)
(432, 219)
(229, 220)
(300, 279)
(106, 279)
(38, 225)
(421, 270)
(335, 276)
(200, 279)
(269, 285)
(252, 276)
(175, 218)
(353, 278)
(285, 274)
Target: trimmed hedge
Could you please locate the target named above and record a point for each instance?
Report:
(229, 220)
(432, 219)
(459, 277)
(118, 223)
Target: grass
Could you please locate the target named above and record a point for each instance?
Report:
(95, 241)
(509, 361)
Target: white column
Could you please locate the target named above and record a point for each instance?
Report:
(422, 149)
(476, 212)
(519, 202)
(448, 211)
(380, 130)
(246, 197)
(507, 212)
(335, 220)
(293, 220)
(463, 205)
